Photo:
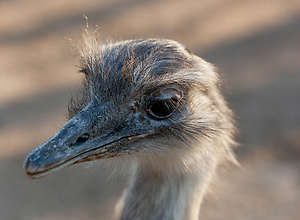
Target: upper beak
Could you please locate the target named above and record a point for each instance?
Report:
(73, 143)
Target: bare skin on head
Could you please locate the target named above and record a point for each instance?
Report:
(158, 106)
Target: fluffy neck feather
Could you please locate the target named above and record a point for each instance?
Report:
(154, 195)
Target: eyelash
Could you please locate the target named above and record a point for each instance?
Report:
(163, 108)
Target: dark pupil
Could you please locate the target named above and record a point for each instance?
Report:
(163, 108)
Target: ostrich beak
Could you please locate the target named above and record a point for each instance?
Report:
(73, 144)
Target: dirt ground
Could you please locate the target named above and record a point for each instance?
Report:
(256, 45)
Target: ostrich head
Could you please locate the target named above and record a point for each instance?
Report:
(150, 101)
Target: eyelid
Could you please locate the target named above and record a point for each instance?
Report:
(166, 94)
(162, 95)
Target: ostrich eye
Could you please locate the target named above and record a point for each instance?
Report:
(164, 105)
(163, 108)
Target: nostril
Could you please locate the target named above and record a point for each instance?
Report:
(83, 138)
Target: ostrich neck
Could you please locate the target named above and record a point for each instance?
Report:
(155, 195)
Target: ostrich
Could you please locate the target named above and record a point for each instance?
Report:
(154, 104)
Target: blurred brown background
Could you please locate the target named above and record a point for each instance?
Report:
(256, 44)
